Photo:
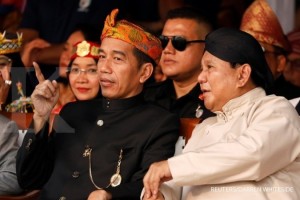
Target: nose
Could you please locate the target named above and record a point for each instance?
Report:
(82, 76)
(82, 79)
(169, 46)
(104, 66)
(202, 77)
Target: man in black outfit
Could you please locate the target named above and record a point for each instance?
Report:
(183, 44)
(100, 149)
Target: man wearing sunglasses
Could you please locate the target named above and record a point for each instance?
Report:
(182, 42)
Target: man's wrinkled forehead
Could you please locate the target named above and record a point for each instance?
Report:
(115, 47)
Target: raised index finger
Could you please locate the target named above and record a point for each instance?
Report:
(38, 72)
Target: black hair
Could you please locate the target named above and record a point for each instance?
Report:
(257, 77)
(142, 57)
(188, 12)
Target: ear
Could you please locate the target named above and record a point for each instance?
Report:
(244, 73)
(146, 71)
(281, 63)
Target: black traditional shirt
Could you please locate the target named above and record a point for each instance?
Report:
(163, 94)
(143, 132)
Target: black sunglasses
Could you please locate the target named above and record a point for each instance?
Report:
(178, 42)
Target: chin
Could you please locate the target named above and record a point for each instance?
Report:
(81, 97)
(208, 105)
(107, 95)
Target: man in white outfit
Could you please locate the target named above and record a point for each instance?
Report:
(250, 149)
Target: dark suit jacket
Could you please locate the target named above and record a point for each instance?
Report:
(144, 132)
(8, 150)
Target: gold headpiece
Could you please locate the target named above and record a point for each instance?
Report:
(10, 43)
(86, 49)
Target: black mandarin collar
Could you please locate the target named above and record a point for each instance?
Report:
(194, 93)
(122, 104)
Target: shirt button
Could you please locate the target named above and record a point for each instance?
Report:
(62, 198)
(100, 122)
(75, 174)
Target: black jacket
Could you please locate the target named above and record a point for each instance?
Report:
(163, 94)
(144, 132)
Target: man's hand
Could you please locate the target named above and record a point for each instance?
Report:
(31, 49)
(44, 98)
(159, 197)
(158, 173)
(39, 50)
(99, 195)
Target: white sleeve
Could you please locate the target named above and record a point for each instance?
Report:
(169, 190)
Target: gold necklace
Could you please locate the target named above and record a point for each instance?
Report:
(115, 179)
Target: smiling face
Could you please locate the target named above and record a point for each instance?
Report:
(220, 82)
(120, 75)
(84, 79)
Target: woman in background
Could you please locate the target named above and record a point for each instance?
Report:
(82, 32)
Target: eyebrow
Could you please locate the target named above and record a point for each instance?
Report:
(114, 51)
(119, 52)
(76, 64)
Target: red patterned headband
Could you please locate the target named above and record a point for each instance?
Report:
(132, 34)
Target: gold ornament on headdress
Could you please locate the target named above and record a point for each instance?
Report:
(10, 45)
(85, 49)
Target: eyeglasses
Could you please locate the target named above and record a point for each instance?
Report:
(178, 42)
(4, 61)
(77, 71)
